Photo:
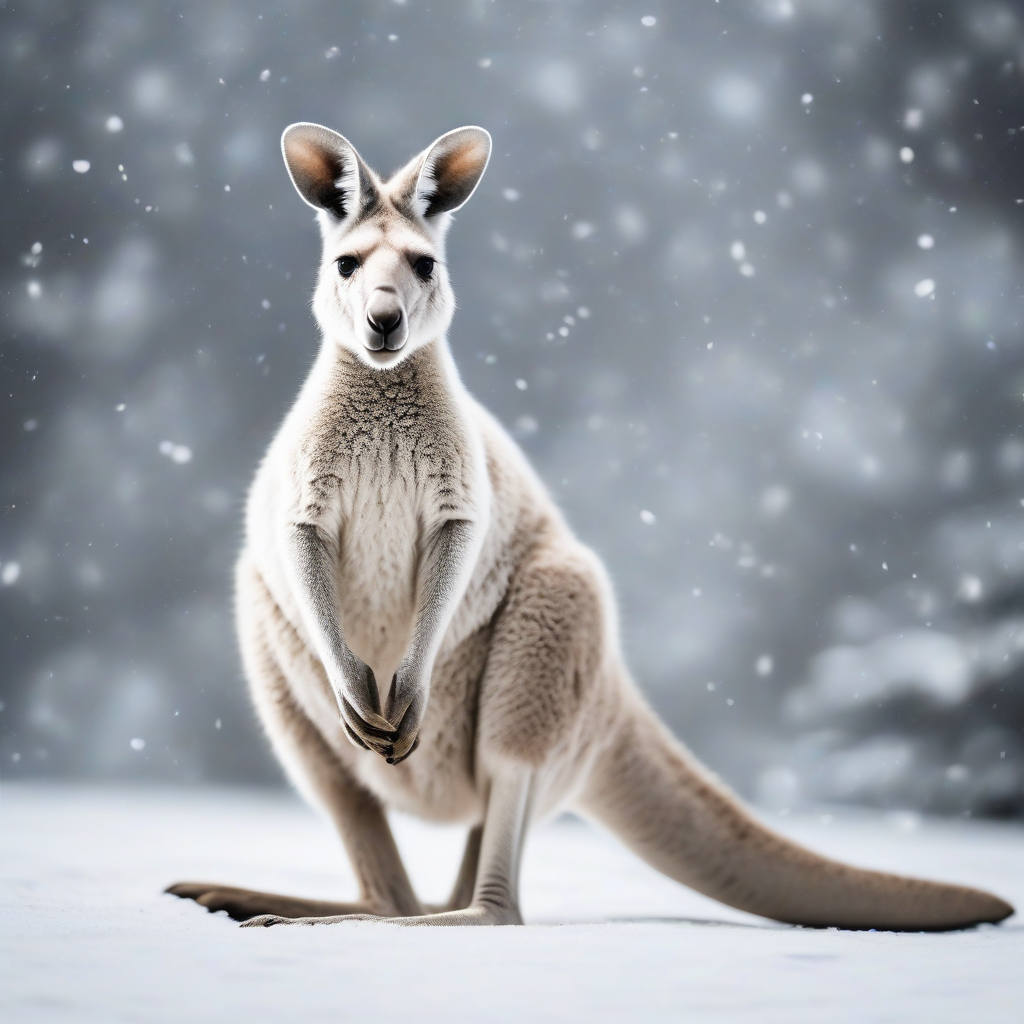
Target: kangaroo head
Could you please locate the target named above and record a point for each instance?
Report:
(383, 289)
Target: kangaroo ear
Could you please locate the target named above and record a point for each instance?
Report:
(450, 171)
(326, 170)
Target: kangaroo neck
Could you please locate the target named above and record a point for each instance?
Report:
(427, 372)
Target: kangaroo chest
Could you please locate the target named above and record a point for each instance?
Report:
(392, 450)
(378, 555)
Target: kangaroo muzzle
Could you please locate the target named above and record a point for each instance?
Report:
(387, 326)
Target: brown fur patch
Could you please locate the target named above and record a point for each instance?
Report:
(545, 656)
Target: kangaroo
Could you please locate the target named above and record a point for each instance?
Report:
(421, 630)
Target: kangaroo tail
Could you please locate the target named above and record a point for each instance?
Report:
(647, 789)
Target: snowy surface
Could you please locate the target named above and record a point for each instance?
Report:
(87, 935)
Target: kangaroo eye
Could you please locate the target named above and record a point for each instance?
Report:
(424, 266)
(347, 265)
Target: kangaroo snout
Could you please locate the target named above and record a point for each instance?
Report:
(387, 325)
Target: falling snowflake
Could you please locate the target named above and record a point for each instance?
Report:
(177, 453)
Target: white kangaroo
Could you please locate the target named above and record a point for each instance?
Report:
(408, 585)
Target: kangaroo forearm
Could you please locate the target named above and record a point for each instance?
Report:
(445, 570)
(313, 563)
(310, 563)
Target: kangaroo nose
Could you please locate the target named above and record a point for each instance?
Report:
(384, 322)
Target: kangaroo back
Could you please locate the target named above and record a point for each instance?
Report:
(647, 789)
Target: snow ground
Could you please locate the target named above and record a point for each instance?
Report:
(87, 935)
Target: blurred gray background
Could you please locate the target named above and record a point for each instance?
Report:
(743, 278)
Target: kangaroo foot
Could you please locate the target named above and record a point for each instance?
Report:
(244, 904)
(470, 916)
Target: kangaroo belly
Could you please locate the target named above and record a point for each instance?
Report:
(377, 579)
(439, 782)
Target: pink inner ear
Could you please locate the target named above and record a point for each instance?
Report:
(466, 159)
(310, 162)
(456, 166)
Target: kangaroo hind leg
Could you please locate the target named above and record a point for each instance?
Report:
(271, 651)
(243, 904)
(495, 894)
